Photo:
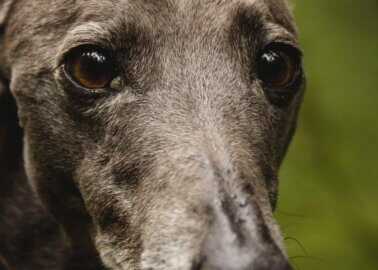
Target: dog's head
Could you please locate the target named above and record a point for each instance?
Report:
(156, 128)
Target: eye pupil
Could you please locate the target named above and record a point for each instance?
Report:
(276, 68)
(91, 68)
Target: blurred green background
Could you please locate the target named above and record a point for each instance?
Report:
(329, 180)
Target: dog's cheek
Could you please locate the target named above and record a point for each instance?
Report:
(52, 147)
(112, 254)
(29, 168)
(52, 135)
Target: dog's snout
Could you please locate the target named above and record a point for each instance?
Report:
(238, 238)
(264, 262)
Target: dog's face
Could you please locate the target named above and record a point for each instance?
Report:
(156, 128)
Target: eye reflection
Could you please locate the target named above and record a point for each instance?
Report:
(276, 67)
(91, 67)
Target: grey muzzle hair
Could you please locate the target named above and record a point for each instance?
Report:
(152, 133)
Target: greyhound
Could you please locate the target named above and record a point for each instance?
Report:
(152, 133)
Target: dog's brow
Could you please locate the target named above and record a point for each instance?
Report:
(89, 29)
(89, 33)
(276, 33)
(256, 19)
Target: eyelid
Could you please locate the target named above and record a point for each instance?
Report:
(288, 44)
(62, 58)
(275, 33)
(288, 48)
(94, 33)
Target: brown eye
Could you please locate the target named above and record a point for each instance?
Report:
(91, 67)
(277, 68)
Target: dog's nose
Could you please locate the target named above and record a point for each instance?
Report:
(238, 238)
(224, 249)
(263, 262)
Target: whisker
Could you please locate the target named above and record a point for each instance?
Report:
(299, 244)
(291, 214)
(293, 263)
(283, 227)
(307, 257)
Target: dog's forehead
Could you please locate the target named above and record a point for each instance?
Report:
(179, 19)
(192, 13)
(64, 26)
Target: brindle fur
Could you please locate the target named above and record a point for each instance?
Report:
(178, 170)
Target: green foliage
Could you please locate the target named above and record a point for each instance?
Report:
(330, 175)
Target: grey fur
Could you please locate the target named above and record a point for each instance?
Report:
(178, 170)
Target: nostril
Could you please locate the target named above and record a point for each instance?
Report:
(198, 264)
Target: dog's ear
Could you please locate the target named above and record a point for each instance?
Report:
(10, 132)
(5, 6)
(4, 9)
